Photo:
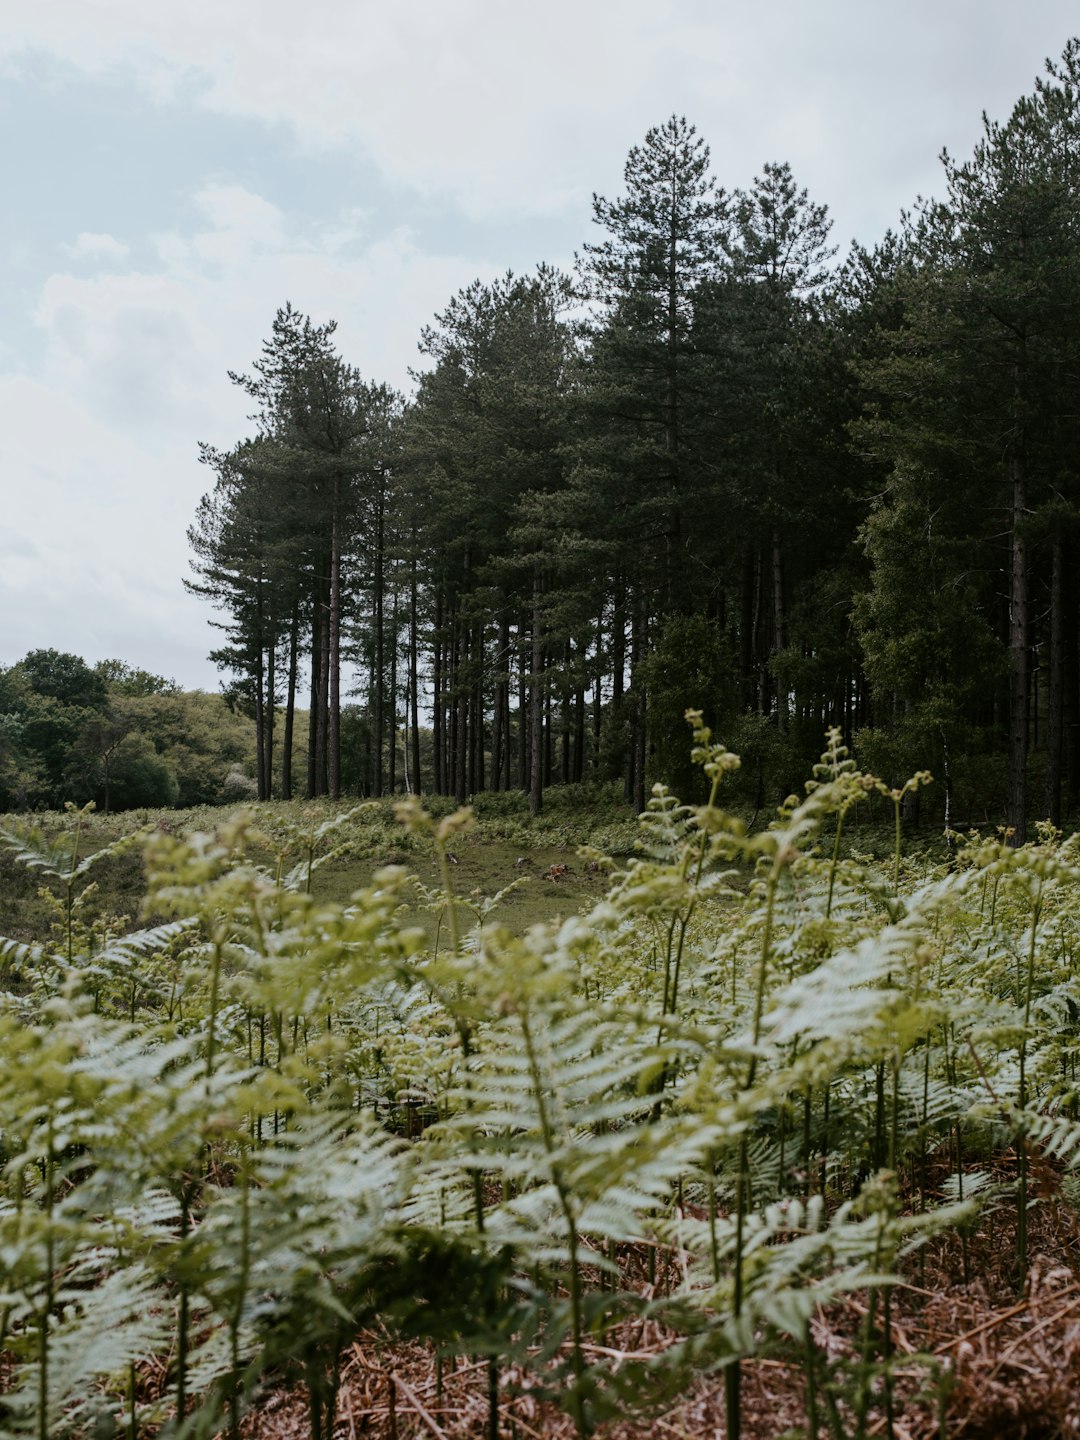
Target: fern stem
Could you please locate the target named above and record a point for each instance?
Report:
(547, 1135)
(215, 983)
(809, 1366)
(237, 1311)
(48, 1295)
(1021, 1138)
(733, 1373)
(834, 862)
(133, 1419)
(183, 1315)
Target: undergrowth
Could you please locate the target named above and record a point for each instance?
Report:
(236, 1137)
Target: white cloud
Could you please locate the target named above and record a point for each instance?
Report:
(99, 449)
(505, 106)
(506, 112)
(90, 245)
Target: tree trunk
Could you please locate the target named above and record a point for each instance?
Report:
(333, 656)
(564, 718)
(269, 716)
(480, 726)
(414, 676)
(290, 704)
(392, 732)
(313, 703)
(746, 632)
(380, 662)
(260, 730)
(499, 734)
(598, 696)
(1071, 647)
(636, 767)
(1056, 728)
(779, 630)
(324, 693)
(524, 738)
(438, 708)
(1016, 807)
(461, 716)
(579, 722)
(536, 707)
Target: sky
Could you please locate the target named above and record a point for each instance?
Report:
(174, 172)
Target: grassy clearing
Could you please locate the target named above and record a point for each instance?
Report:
(485, 858)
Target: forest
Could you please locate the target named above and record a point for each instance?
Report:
(683, 1082)
(715, 464)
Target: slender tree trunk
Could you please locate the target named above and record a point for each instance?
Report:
(452, 706)
(501, 698)
(779, 629)
(290, 704)
(536, 707)
(758, 631)
(507, 661)
(524, 737)
(1016, 810)
(579, 722)
(324, 691)
(269, 715)
(547, 725)
(480, 725)
(565, 719)
(1071, 646)
(260, 729)
(1055, 745)
(369, 738)
(618, 645)
(438, 710)
(333, 658)
(393, 691)
(313, 703)
(746, 631)
(473, 721)
(598, 695)
(461, 714)
(636, 758)
(414, 675)
(380, 659)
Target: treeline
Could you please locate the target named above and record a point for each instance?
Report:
(117, 735)
(712, 467)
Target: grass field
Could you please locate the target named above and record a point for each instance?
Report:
(505, 848)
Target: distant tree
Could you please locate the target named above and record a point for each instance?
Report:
(645, 388)
(487, 434)
(64, 677)
(124, 679)
(54, 696)
(977, 389)
(99, 739)
(277, 543)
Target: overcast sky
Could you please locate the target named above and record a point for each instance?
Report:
(173, 172)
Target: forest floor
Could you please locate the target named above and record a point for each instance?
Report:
(535, 861)
(1008, 1355)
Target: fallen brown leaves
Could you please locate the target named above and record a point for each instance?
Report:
(1013, 1361)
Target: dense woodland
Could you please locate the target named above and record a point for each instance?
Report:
(776, 1137)
(719, 465)
(116, 735)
